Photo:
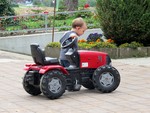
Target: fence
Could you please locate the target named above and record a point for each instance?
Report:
(43, 22)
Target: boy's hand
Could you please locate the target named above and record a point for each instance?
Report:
(73, 35)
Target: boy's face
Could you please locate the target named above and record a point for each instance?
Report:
(80, 30)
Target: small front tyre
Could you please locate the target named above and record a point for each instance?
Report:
(53, 84)
(106, 79)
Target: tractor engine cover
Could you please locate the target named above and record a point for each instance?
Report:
(92, 59)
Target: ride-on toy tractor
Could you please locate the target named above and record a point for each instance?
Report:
(90, 69)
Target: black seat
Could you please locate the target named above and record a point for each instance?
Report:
(39, 58)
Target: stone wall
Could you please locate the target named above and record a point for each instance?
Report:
(21, 44)
(113, 52)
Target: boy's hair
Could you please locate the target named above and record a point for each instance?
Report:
(78, 22)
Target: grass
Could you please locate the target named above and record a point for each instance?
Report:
(12, 28)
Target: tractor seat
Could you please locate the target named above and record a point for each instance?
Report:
(39, 58)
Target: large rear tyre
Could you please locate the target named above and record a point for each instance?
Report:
(53, 84)
(31, 89)
(106, 79)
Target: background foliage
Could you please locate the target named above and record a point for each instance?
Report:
(125, 21)
(5, 8)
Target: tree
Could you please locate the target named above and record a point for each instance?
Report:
(71, 5)
(125, 20)
(5, 8)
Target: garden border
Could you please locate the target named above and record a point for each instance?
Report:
(21, 43)
(114, 53)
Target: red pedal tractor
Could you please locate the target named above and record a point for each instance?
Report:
(90, 69)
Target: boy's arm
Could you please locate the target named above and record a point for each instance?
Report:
(73, 35)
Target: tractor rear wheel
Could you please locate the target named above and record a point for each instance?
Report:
(31, 89)
(106, 79)
(53, 84)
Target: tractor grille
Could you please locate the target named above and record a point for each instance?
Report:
(108, 60)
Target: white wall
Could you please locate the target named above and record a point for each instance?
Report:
(21, 44)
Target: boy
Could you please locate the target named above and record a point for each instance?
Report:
(78, 28)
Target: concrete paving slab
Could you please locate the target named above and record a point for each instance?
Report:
(132, 96)
(135, 61)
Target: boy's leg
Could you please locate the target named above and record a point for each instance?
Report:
(65, 63)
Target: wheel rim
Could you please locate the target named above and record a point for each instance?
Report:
(55, 85)
(106, 79)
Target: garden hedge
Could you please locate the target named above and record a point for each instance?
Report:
(125, 21)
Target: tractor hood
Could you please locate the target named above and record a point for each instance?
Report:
(92, 59)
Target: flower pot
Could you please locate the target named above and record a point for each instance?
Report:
(130, 52)
(52, 52)
(112, 52)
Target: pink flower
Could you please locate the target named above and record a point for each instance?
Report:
(45, 12)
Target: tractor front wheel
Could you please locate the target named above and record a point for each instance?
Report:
(53, 84)
(106, 79)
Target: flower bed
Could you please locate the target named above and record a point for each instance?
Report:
(96, 42)
(114, 53)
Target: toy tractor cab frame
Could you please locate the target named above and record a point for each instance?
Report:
(90, 69)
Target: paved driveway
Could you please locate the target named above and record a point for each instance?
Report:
(132, 96)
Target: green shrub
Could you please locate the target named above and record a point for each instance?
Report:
(96, 45)
(37, 11)
(5, 8)
(125, 45)
(61, 7)
(125, 21)
(105, 45)
(63, 16)
(81, 4)
(14, 5)
(86, 45)
(53, 44)
(64, 29)
(133, 45)
(83, 14)
(92, 3)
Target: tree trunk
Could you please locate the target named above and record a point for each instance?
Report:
(71, 5)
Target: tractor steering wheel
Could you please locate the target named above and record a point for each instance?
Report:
(69, 42)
